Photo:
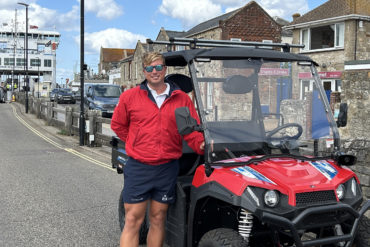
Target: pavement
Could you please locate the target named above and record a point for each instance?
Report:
(103, 153)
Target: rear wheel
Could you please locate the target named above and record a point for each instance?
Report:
(363, 233)
(144, 227)
(222, 237)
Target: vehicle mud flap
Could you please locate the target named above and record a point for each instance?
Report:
(176, 225)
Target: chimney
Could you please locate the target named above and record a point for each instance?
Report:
(296, 16)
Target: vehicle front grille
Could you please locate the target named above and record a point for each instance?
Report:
(316, 197)
(109, 106)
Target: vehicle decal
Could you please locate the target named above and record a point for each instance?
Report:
(325, 168)
(251, 173)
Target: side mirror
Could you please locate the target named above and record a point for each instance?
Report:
(185, 122)
(345, 159)
(342, 117)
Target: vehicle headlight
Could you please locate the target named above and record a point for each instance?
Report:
(271, 198)
(99, 103)
(340, 191)
(354, 186)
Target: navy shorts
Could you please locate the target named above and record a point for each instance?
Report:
(143, 182)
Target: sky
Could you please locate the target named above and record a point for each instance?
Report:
(121, 23)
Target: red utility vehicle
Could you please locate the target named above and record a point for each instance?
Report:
(273, 173)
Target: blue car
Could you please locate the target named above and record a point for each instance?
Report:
(65, 95)
(103, 97)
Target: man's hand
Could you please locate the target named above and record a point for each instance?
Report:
(202, 146)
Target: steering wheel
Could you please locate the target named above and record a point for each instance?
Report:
(286, 136)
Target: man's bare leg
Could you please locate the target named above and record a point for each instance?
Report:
(134, 217)
(157, 217)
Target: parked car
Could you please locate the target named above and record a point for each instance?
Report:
(77, 95)
(103, 97)
(276, 180)
(52, 94)
(2, 95)
(65, 95)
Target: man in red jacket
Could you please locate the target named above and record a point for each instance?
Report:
(145, 120)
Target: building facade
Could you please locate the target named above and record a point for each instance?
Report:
(41, 54)
(337, 36)
(248, 23)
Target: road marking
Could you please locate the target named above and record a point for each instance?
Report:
(69, 150)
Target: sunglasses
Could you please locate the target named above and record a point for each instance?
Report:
(158, 67)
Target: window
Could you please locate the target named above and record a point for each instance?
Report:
(21, 62)
(209, 95)
(47, 63)
(35, 62)
(180, 47)
(267, 41)
(8, 61)
(323, 37)
(136, 70)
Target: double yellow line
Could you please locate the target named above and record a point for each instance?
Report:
(69, 150)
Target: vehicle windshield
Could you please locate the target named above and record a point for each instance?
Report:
(65, 90)
(255, 107)
(107, 91)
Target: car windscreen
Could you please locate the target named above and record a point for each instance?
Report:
(251, 106)
(65, 90)
(107, 91)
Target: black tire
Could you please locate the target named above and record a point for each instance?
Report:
(222, 237)
(144, 227)
(363, 233)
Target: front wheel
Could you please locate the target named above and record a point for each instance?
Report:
(222, 237)
(144, 227)
(363, 233)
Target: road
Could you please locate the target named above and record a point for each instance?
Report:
(53, 193)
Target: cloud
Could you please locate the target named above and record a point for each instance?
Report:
(190, 12)
(51, 19)
(44, 18)
(110, 38)
(284, 9)
(106, 9)
(193, 12)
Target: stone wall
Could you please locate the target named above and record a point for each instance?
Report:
(356, 135)
(361, 149)
(356, 93)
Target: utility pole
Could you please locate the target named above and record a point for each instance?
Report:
(82, 73)
(26, 52)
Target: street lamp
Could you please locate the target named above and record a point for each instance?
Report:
(26, 51)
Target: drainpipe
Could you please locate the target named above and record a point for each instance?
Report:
(355, 53)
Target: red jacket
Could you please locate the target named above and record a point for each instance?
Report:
(150, 133)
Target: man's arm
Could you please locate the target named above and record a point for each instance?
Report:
(120, 122)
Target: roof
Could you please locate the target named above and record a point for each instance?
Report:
(335, 8)
(182, 58)
(212, 23)
(172, 34)
(115, 54)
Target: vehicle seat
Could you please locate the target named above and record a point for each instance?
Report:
(183, 81)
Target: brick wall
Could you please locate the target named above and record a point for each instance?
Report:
(253, 24)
